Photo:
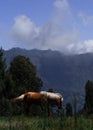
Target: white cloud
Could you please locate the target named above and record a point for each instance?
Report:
(24, 30)
(86, 46)
(60, 33)
(87, 20)
(61, 4)
(82, 47)
(57, 34)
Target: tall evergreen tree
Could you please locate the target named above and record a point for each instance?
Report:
(89, 97)
(69, 111)
(2, 73)
(24, 75)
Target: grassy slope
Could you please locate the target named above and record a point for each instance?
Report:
(41, 123)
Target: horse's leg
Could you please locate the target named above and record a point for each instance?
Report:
(45, 106)
(48, 109)
(26, 108)
(42, 108)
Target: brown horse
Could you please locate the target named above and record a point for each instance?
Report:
(30, 98)
(39, 98)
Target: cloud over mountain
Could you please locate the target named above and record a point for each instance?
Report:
(59, 33)
(24, 30)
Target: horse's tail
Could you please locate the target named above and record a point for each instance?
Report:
(19, 98)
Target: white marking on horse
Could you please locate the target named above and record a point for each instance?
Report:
(52, 95)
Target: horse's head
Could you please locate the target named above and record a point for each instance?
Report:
(59, 102)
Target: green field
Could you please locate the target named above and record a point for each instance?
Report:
(46, 123)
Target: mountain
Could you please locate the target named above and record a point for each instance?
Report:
(66, 74)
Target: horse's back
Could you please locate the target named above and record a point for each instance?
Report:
(34, 97)
(51, 94)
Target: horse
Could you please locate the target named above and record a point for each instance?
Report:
(30, 98)
(39, 98)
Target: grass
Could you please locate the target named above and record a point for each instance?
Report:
(45, 123)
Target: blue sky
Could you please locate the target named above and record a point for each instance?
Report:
(64, 25)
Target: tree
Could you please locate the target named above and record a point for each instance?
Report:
(89, 97)
(6, 87)
(50, 90)
(4, 102)
(9, 89)
(24, 75)
(2, 73)
(69, 109)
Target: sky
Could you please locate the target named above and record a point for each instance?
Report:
(63, 25)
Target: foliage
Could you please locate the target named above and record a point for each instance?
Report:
(69, 109)
(50, 90)
(2, 73)
(4, 77)
(89, 97)
(9, 87)
(24, 75)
